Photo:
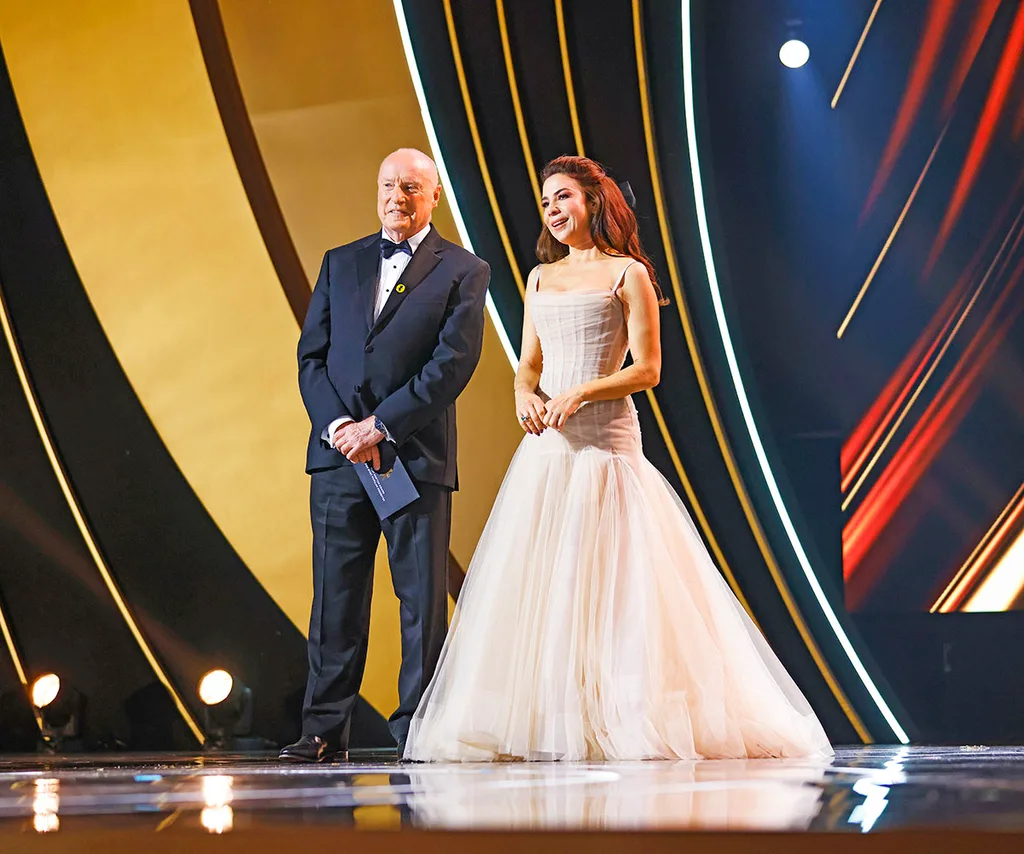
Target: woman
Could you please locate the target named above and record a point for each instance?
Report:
(593, 624)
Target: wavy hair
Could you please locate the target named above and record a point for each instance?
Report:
(613, 225)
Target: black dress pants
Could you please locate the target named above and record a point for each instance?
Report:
(346, 532)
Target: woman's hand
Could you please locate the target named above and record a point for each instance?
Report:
(559, 409)
(530, 412)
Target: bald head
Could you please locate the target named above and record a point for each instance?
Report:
(410, 160)
(408, 190)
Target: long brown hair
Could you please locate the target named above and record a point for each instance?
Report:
(613, 225)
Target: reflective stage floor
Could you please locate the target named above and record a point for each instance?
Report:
(902, 798)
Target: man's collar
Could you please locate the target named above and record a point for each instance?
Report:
(415, 240)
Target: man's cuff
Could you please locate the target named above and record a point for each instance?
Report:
(383, 429)
(332, 428)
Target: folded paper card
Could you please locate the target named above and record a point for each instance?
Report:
(390, 489)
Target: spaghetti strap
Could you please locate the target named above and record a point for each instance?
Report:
(622, 276)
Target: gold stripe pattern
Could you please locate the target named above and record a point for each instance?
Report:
(5, 629)
(570, 91)
(474, 131)
(856, 53)
(513, 88)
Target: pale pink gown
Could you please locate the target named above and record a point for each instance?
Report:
(593, 624)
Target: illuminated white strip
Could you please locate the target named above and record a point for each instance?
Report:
(741, 394)
(435, 150)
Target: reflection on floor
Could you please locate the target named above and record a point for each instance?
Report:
(862, 789)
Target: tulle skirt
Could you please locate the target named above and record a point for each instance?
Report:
(593, 625)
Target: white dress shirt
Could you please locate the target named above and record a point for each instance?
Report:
(391, 270)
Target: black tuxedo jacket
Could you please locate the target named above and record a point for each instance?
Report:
(409, 365)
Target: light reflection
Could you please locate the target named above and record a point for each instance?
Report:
(778, 795)
(218, 819)
(875, 789)
(218, 792)
(46, 805)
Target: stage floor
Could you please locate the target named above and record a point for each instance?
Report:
(862, 789)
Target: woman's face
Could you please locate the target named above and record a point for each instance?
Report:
(565, 210)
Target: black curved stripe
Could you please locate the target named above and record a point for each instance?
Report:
(429, 32)
(533, 34)
(480, 44)
(194, 598)
(245, 149)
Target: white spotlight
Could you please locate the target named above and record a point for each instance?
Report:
(215, 687)
(45, 690)
(227, 712)
(794, 53)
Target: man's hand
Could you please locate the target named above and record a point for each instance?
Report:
(358, 441)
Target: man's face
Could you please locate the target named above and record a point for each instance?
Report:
(407, 193)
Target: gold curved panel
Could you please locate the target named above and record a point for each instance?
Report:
(324, 119)
(124, 128)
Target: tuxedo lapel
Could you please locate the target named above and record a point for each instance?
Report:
(367, 270)
(424, 260)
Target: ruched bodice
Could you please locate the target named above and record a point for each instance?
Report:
(583, 338)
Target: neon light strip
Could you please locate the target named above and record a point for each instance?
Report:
(5, 630)
(435, 150)
(856, 53)
(741, 394)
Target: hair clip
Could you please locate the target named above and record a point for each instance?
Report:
(627, 194)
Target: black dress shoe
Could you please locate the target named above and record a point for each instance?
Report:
(313, 748)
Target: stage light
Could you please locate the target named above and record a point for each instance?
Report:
(794, 53)
(227, 711)
(45, 690)
(215, 687)
(59, 707)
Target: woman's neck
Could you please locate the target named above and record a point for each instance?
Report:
(584, 252)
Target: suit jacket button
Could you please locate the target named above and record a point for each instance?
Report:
(358, 389)
(369, 348)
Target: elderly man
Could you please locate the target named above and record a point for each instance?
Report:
(392, 336)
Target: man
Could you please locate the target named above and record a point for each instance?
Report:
(392, 336)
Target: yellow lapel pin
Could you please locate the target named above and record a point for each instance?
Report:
(400, 288)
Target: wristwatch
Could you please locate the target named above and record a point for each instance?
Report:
(379, 426)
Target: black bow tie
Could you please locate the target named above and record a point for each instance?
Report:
(389, 248)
